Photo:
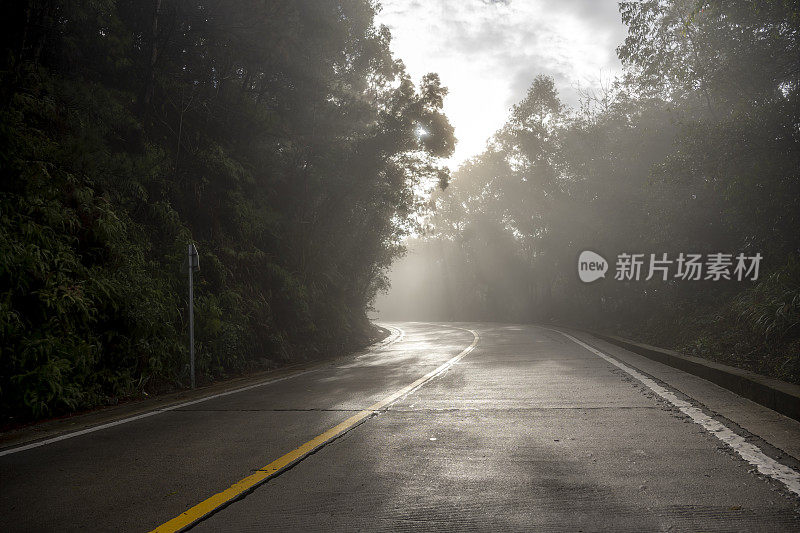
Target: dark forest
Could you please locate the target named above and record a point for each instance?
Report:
(283, 138)
(277, 136)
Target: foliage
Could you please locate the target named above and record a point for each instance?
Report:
(279, 136)
(757, 330)
(695, 149)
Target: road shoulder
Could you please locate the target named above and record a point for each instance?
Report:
(776, 429)
(61, 427)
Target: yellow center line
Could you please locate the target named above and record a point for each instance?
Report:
(238, 489)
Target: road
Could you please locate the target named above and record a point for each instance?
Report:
(451, 427)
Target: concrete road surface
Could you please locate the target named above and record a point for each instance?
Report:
(446, 427)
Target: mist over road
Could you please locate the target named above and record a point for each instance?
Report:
(442, 427)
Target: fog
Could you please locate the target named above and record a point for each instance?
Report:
(211, 211)
(681, 175)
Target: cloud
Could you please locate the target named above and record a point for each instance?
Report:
(489, 51)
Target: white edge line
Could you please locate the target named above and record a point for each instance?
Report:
(107, 425)
(747, 451)
(397, 337)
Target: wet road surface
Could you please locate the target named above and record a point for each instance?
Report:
(451, 427)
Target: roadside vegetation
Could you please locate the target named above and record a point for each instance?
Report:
(695, 149)
(280, 136)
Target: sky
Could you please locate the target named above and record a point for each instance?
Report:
(488, 52)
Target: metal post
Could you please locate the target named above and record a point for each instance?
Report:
(191, 315)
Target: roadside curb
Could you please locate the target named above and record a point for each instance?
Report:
(773, 393)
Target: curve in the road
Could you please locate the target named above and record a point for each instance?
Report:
(241, 488)
(397, 335)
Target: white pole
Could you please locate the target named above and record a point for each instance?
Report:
(191, 318)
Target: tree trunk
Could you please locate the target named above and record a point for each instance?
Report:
(151, 73)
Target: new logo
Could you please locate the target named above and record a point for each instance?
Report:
(591, 266)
